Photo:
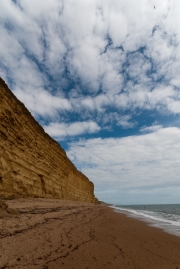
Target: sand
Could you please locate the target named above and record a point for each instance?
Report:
(50, 233)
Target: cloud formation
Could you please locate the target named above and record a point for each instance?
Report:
(60, 130)
(135, 164)
(122, 54)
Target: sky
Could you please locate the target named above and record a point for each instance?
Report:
(102, 77)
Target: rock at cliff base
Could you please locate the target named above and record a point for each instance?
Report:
(3, 205)
(5, 211)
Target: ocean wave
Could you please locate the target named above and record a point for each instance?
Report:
(166, 218)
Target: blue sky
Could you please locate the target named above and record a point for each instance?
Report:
(102, 78)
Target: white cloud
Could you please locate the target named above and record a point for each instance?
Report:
(144, 162)
(58, 39)
(152, 128)
(111, 118)
(125, 122)
(117, 25)
(60, 130)
(41, 102)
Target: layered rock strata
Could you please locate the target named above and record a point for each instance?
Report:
(32, 164)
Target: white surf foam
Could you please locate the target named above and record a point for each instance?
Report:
(168, 222)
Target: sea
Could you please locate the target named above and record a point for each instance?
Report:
(166, 217)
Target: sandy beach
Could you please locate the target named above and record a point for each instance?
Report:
(53, 234)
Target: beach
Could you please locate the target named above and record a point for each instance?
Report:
(53, 234)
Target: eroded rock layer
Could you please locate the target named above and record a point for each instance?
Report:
(32, 164)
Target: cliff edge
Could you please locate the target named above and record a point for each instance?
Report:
(32, 164)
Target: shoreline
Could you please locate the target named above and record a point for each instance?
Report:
(53, 234)
(166, 226)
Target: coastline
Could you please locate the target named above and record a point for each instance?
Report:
(169, 226)
(53, 234)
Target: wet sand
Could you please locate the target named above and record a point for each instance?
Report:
(55, 234)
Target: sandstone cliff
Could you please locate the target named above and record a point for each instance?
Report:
(32, 164)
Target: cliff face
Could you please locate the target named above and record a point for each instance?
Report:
(32, 164)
